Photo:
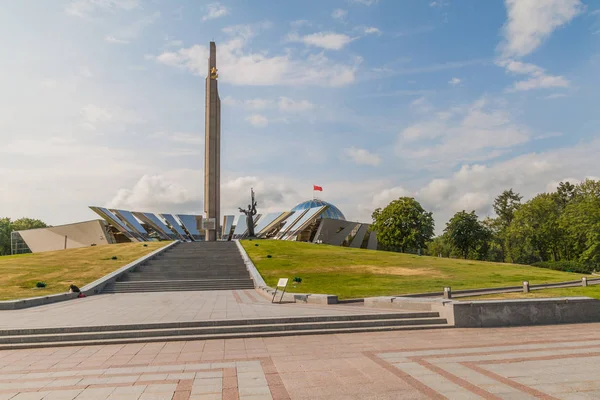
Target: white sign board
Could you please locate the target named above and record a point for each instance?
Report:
(282, 282)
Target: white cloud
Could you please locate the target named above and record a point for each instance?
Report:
(538, 78)
(287, 104)
(257, 120)
(324, 40)
(362, 156)
(421, 105)
(84, 8)
(439, 3)
(182, 137)
(128, 32)
(477, 132)
(240, 67)
(455, 81)
(93, 114)
(339, 14)
(554, 96)
(112, 39)
(370, 30)
(530, 22)
(229, 101)
(472, 201)
(49, 83)
(174, 43)
(258, 104)
(364, 2)
(85, 72)
(155, 193)
(215, 10)
(385, 196)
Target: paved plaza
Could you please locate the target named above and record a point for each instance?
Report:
(138, 308)
(544, 362)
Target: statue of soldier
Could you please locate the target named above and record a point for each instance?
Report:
(250, 213)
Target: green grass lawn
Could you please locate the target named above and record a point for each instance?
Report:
(590, 291)
(355, 273)
(59, 269)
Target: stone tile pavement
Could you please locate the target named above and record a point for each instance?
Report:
(545, 362)
(134, 308)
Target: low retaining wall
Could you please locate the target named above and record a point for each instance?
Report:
(484, 314)
(89, 290)
(499, 313)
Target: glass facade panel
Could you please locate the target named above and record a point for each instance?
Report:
(175, 225)
(310, 214)
(332, 211)
(130, 220)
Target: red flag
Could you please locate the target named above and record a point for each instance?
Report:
(317, 188)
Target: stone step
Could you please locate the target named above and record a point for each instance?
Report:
(170, 278)
(188, 267)
(222, 322)
(248, 335)
(267, 328)
(173, 289)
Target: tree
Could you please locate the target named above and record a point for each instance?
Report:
(23, 224)
(7, 227)
(505, 206)
(535, 234)
(565, 192)
(403, 225)
(589, 187)
(439, 247)
(5, 230)
(580, 222)
(466, 234)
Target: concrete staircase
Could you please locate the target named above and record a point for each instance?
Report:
(188, 267)
(218, 329)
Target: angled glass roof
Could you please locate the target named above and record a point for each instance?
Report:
(131, 221)
(190, 222)
(332, 211)
(174, 225)
(311, 214)
(266, 220)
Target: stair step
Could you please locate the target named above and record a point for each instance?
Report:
(246, 335)
(223, 322)
(207, 289)
(149, 333)
(196, 266)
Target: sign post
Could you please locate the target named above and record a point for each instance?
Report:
(283, 282)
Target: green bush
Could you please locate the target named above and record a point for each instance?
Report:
(114, 258)
(40, 285)
(566, 266)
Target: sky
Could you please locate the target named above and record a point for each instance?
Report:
(447, 101)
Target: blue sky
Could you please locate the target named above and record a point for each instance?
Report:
(448, 101)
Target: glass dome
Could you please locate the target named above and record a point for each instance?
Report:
(331, 212)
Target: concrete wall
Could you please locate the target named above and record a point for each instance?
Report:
(82, 234)
(483, 314)
(499, 313)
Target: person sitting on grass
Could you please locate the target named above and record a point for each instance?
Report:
(75, 289)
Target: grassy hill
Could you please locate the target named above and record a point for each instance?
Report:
(59, 269)
(354, 273)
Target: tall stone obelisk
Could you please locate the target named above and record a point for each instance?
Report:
(212, 149)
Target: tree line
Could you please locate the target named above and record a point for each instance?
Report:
(7, 226)
(560, 226)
